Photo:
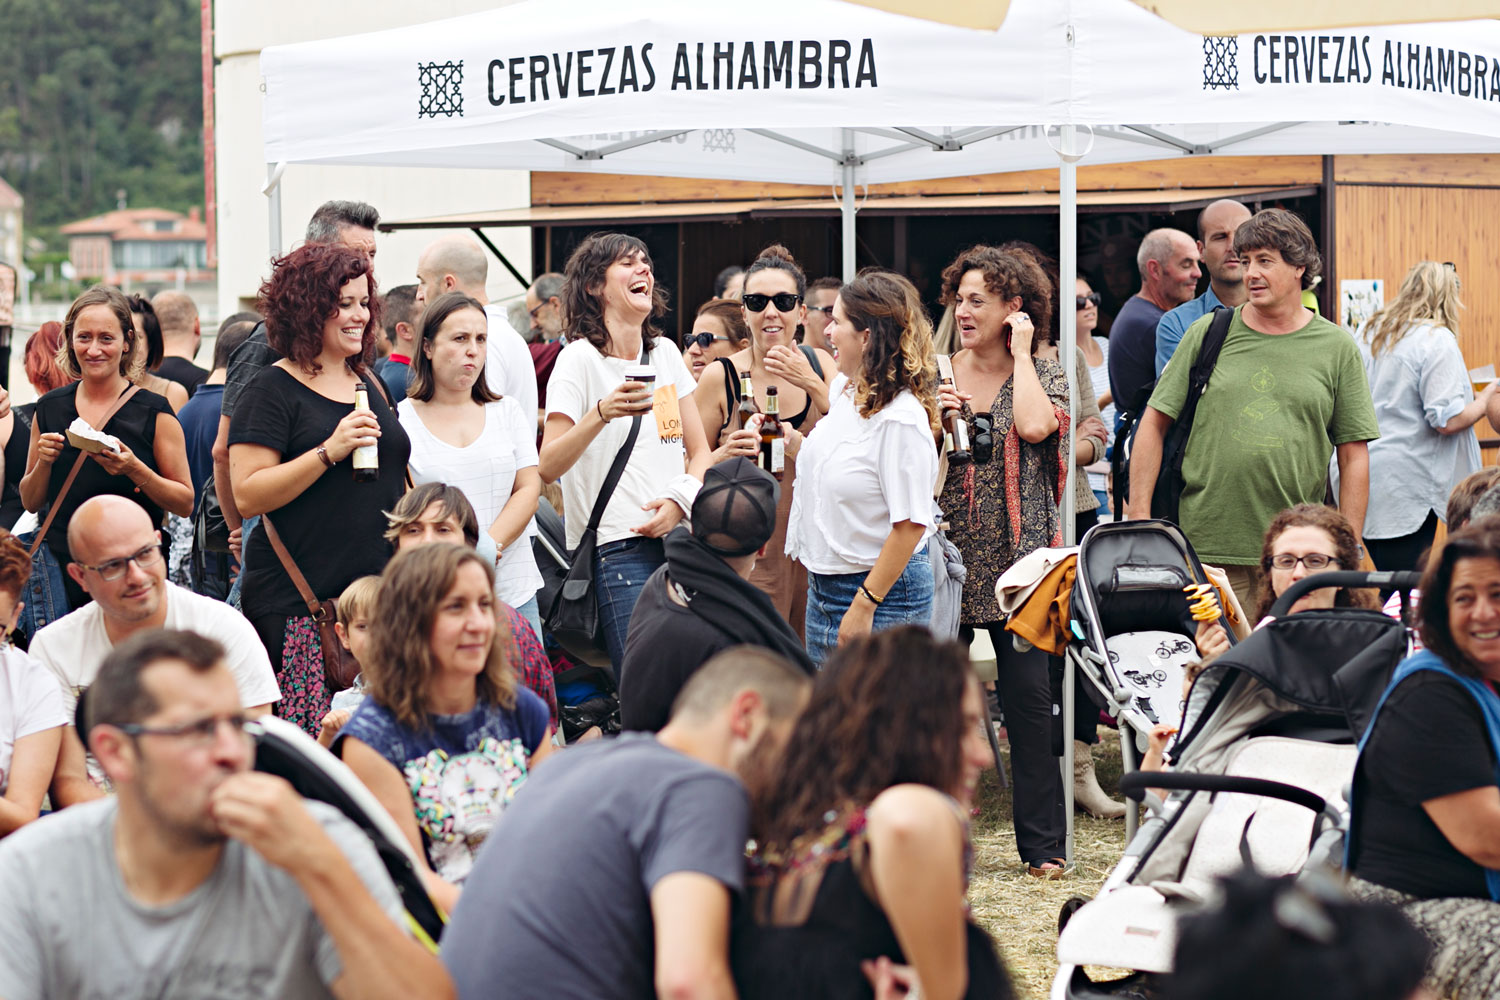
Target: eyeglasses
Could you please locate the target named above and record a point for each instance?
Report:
(201, 732)
(982, 441)
(825, 310)
(1313, 561)
(701, 339)
(147, 556)
(785, 301)
(1092, 298)
(539, 307)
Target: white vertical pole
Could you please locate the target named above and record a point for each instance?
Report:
(1067, 225)
(846, 208)
(273, 194)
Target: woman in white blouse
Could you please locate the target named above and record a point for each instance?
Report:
(464, 435)
(1425, 406)
(613, 304)
(863, 509)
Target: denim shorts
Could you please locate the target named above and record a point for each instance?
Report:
(621, 570)
(908, 602)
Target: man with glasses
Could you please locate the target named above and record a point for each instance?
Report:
(119, 563)
(820, 296)
(544, 306)
(200, 877)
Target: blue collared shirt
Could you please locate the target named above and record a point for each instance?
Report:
(1174, 324)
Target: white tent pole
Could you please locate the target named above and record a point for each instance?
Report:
(1067, 266)
(846, 209)
(272, 191)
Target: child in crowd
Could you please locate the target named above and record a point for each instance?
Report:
(355, 606)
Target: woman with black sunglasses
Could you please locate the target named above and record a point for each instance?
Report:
(719, 330)
(1004, 504)
(774, 309)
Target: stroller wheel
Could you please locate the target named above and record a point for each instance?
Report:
(1068, 909)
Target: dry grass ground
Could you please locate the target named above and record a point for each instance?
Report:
(1019, 911)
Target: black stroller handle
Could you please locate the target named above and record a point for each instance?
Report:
(1133, 786)
(1342, 578)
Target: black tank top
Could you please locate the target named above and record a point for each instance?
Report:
(732, 387)
(16, 448)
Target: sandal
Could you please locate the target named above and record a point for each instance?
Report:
(1047, 868)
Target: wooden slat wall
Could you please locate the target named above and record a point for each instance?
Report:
(1383, 230)
(1189, 172)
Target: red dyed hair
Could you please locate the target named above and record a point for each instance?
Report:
(42, 369)
(302, 293)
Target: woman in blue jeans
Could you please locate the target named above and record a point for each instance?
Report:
(863, 508)
(613, 305)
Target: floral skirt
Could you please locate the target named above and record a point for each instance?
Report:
(305, 697)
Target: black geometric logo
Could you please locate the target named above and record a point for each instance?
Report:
(1221, 62)
(442, 89)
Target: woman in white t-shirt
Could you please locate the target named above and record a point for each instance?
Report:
(464, 435)
(32, 715)
(612, 303)
(863, 509)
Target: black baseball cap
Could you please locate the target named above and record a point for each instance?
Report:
(735, 512)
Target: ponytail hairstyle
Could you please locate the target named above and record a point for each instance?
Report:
(778, 258)
(899, 353)
(583, 290)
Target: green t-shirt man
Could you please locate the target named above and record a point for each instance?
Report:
(1274, 408)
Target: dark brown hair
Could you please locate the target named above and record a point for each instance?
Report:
(302, 293)
(99, 295)
(1286, 233)
(1345, 544)
(1467, 493)
(899, 354)
(1478, 540)
(156, 347)
(873, 722)
(117, 696)
(731, 313)
(583, 293)
(1009, 274)
(423, 385)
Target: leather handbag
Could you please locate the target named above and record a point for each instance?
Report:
(52, 507)
(339, 665)
(573, 609)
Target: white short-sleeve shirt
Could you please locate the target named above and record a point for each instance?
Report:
(581, 377)
(508, 367)
(856, 477)
(30, 702)
(485, 471)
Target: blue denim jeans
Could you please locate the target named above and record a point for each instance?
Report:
(45, 594)
(620, 573)
(908, 602)
(234, 589)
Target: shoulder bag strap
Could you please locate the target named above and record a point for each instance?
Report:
(314, 606)
(109, 414)
(622, 457)
(1208, 351)
(812, 359)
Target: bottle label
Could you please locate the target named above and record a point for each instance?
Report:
(367, 457)
(778, 455)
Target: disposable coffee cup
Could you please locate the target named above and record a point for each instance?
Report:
(642, 373)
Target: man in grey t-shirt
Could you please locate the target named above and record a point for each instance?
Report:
(613, 871)
(200, 878)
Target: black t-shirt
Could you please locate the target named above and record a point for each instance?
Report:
(16, 450)
(134, 424)
(666, 645)
(1429, 741)
(183, 372)
(333, 529)
(1132, 352)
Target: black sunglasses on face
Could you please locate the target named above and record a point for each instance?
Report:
(785, 301)
(701, 339)
(1092, 298)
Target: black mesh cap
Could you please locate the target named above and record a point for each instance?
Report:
(735, 513)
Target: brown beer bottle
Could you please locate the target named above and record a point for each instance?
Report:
(366, 457)
(772, 437)
(747, 407)
(955, 433)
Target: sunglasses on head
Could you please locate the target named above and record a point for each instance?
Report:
(785, 301)
(701, 339)
(1092, 298)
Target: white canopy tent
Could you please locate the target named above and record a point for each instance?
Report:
(841, 97)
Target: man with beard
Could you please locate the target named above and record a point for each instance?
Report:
(1226, 276)
(702, 601)
(199, 878)
(613, 873)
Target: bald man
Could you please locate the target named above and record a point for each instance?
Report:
(181, 337)
(119, 563)
(458, 264)
(1168, 262)
(1226, 276)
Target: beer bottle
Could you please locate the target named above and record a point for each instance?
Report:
(955, 432)
(772, 437)
(366, 457)
(747, 407)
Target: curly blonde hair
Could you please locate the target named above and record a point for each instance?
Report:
(1429, 294)
(899, 353)
(402, 663)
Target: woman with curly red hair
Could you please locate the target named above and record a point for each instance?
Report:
(291, 439)
(863, 510)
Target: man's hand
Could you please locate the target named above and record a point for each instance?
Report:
(667, 516)
(264, 813)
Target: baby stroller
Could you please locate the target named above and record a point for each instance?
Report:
(1260, 774)
(1132, 633)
